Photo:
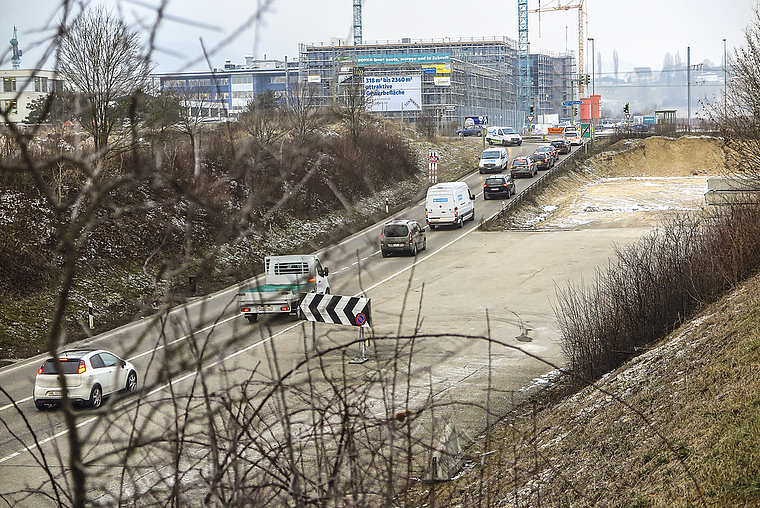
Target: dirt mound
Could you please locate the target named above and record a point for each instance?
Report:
(635, 183)
(658, 156)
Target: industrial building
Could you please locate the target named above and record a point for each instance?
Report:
(225, 92)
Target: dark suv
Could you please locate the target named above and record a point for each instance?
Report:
(402, 235)
(498, 186)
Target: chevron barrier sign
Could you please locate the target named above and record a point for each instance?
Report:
(336, 309)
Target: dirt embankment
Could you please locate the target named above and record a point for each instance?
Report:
(635, 183)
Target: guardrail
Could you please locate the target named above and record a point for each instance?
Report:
(542, 181)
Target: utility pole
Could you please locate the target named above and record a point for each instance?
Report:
(593, 92)
(688, 89)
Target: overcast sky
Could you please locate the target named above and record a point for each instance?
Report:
(642, 31)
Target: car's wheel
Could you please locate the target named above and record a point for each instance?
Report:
(131, 382)
(432, 226)
(479, 134)
(460, 224)
(40, 405)
(490, 142)
(96, 396)
(414, 250)
(520, 143)
(386, 253)
(472, 217)
(485, 196)
(424, 244)
(327, 291)
(252, 318)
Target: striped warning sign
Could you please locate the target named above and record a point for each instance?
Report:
(336, 309)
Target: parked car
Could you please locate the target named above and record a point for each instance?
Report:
(402, 235)
(493, 160)
(542, 160)
(499, 186)
(550, 150)
(470, 130)
(523, 166)
(90, 376)
(562, 146)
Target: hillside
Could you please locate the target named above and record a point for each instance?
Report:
(677, 425)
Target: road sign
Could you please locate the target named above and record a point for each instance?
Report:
(530, 118)
(336, 309)
(570, 103)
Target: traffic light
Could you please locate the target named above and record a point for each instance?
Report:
(626, 108)
(588, 79)
(531, 110)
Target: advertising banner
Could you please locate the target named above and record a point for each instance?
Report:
(415, 58)
(475, 120)
(443, 68)
(314, 78)
(393, 93)
(442, 81)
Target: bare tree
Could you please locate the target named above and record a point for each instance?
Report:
(100, 58)
(352, 107)
(737, 113)
(301, 109)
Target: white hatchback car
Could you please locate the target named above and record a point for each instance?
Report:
(90, 375)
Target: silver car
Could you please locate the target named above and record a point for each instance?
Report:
(90, 375)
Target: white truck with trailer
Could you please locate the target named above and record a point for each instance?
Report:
(287, 281)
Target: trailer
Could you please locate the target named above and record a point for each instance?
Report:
(287, 281)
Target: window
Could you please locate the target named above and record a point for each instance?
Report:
(40, 84)
(9, 84)
(109, 360)
(97, 362)
(70, 366)
(239, 80)
(11, 107)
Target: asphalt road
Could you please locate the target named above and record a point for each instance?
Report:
(467, 286)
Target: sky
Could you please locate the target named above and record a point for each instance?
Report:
(641, 31)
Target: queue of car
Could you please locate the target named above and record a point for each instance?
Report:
(452, 203)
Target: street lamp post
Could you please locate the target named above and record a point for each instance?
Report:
(593, 91)
(725, 81)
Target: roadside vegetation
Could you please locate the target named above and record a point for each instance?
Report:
(146, 195)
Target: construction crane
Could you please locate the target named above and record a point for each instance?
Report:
(576, 4)
(16, 59)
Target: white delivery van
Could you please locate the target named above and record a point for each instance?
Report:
(493, 160)
(503, 136)
(449, 204)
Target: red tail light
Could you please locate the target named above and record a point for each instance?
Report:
(40, 370)
(82, 367)
(410, 238)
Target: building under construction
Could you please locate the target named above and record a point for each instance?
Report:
(448, 78)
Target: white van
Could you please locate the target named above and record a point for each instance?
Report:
(449, 204)
(493, 160)
(503, 136)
